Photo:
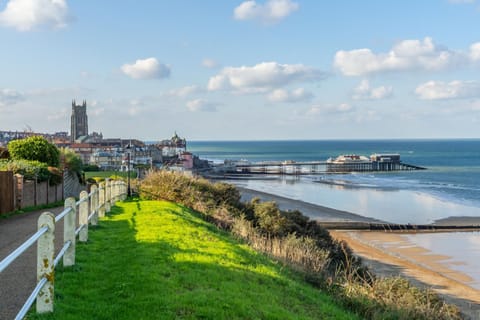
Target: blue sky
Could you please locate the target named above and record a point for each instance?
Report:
(240, 70)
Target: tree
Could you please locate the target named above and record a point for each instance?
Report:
(72, 161)
(34, 148)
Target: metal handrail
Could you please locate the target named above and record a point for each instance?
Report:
(62, 214)
(83, 199)
(21, 249)
(62, 253)
(91, 215)
(23, 312)
(77, 231)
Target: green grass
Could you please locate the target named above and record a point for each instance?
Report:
(158, 260)
(108, 174)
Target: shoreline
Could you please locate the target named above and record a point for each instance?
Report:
(311, 210)
(415, 263)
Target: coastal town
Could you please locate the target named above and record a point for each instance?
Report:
(131, 154)
(114, 154)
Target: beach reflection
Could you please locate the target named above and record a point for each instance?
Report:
(462, 249)
(391, 205)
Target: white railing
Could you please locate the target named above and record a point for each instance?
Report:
(98, 201)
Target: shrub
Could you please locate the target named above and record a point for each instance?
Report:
(56, 175)
(91, 181)
(91, 167)
(29, 169)
(71, 160)
(269, 219)
(4, 154)
(196, 193)
(34, 148)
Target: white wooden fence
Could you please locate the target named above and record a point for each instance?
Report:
(90, 207)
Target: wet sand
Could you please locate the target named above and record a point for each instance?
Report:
(390, 254)
(417, 264)
(311, 210)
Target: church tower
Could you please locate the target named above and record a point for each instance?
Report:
(79, 121)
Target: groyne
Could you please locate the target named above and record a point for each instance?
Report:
(394, 227)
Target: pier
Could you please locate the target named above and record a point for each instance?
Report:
(342, 164)
(371, 166)
(279, 167)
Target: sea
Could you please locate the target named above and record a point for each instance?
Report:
(448, 189)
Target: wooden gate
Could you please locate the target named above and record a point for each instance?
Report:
(7, 194)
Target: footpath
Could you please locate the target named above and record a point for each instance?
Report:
(19, 279)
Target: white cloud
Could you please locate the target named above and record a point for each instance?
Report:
(461, 1)
(438, 90)
(25, 15)
(134, 110)
(58, 115)
(406, 55)
(184, 91)
(270, 12)
(475, 52)
(148, 68)
(364, 92)
(87, 75)
(136, 106)
(209, 63)
(297, 95)
(475, 105)
(63, 91)
(95, 109)
(200, 105)
(10, 97)
(329, 109)
(262, 77)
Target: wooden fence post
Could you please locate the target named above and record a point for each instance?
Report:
(83, 216)
(94, 205)
(45, 265)
(101, 200)
(69, 232)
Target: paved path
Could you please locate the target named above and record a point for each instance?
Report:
(19, 279)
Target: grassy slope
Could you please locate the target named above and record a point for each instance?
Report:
(108, 174)
(157, 260)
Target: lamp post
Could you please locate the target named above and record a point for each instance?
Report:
(129, 190)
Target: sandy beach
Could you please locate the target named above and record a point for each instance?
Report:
(390, 254)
